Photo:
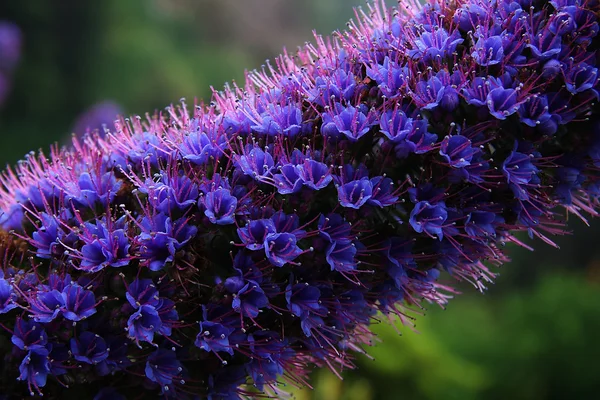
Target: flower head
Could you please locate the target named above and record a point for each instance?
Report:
(242, 242)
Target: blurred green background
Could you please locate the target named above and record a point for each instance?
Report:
(532, 336)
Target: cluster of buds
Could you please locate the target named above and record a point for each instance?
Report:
(224, 252)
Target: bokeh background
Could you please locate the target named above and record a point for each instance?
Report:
(534, 335)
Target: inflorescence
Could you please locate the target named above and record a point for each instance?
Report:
(222, 252)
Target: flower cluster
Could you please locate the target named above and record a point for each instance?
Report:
(217, 253)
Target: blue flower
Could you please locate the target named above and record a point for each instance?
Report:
(389, 76)
(254, 234)
(356, 193)
(79, 303)
(7, 296)
(338, 86)
(256, 164)
(280, 120)
(534, 112)
(199, 148)
(220, 207)
(46, 306)
(143, 324)
(429, 218)
(383, 192)
(435, 45)
(488, 51)
(502, 102)
(162, 238)
(428, 94)
(142, 292)
(580, 78)
(34, 369)
(303, 299)
(29, 336)
(395, 125)
(107, 248)
(519, 172)
(457, 151)
(281, 248)
(350, 121)
(163, 366)
(314, 174)
(288, 181)
(249, 300)
(89, 348)
(214, 337)
(340, 255)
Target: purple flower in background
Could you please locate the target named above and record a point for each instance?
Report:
(98, 118)
(10, 53)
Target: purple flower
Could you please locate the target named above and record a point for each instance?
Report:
(142, 292)
(29, 336)
(46, 306)
(435, 45)
(220, 207)
(256, 163)
(428, 94)
(534, 111)
(200, 147)
(356, 193)
(488, 51)
(395, 125)
(480, 223)
(34, 369)
(519, 172)
(7, 296)
(383, 192)
(89, 348)
(303, 299)
(143, 324)
(446, 130)
(254, 234)
(580, 78)
(280, 120)
(390, 77)
(98, 118)
(352, 122)
(162, 238)
(214, 336)
(288, 181)
(281, 248)
(163, 367)
(80, 303)
(107, 248)
(314, 174)
(340, 256)
(429, 218)
(502, 102)
(249, 300)
(338, 86)
(457, 151)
